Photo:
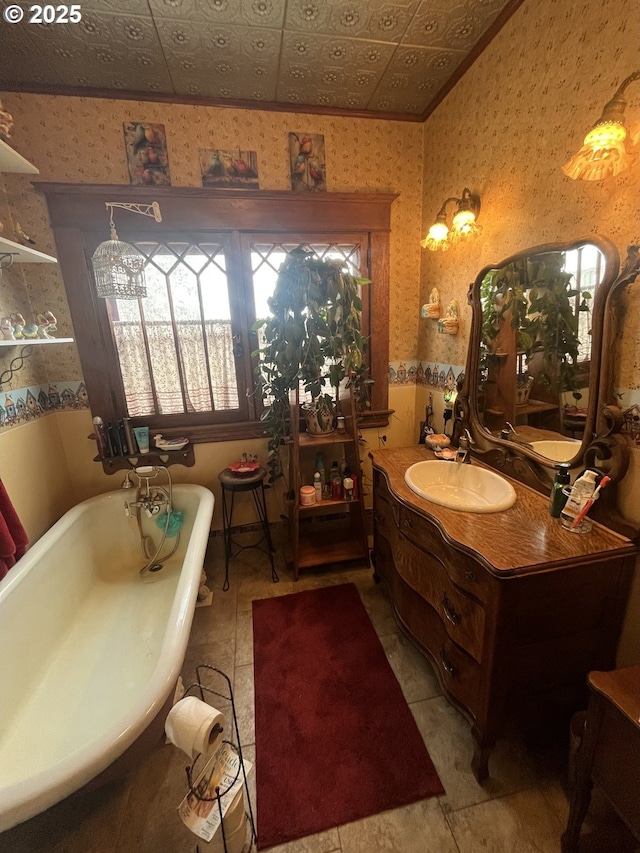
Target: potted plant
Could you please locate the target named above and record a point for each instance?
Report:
(319, 415)
(313, 339)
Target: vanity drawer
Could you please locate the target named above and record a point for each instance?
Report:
(462, 569)
(463, 617)
(385, 517)
(459, 674)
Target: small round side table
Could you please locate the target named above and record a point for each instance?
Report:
(232, 484)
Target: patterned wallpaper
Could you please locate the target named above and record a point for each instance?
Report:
(80, 140)
(505, 131)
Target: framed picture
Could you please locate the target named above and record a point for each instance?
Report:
(306, 156)
(147, 157)
(236, 170)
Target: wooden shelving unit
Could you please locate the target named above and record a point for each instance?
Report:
(312, 542)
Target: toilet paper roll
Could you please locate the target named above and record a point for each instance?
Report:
(195, 727)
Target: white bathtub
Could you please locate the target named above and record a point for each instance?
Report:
(90, 652)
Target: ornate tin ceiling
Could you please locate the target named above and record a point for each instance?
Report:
(368, 56)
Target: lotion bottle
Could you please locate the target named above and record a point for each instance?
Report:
(317, 485)
(557, 498)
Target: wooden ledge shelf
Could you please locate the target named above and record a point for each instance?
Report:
(340, 547)
(185, 456)
(327, 504)
(306, 439)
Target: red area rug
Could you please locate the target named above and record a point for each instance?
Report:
(335, 739)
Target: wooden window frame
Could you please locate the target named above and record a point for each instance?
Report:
(80, 222)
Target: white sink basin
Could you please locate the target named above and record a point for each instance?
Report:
(559, 451)
(458, 486)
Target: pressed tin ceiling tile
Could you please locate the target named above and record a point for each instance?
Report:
(376, 19)
(418, 61)
(20, 55)
(258, 13)
(378, 55)
(459, 27)
(120, 7)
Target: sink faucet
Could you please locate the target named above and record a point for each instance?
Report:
(508, 430)
(464, 449)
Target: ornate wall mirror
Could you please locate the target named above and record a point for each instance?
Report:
(535, 361)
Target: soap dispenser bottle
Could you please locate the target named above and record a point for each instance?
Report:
(558, 499)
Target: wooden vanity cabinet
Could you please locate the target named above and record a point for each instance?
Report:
(516, 639)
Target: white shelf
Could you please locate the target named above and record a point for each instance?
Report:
(28, 342)
(24, 254)
(11, 161)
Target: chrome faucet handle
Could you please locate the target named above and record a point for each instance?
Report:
(468, 437)
(512, 428)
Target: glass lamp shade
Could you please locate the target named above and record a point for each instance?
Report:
(437, 238)
(602, 154)
(118, 268)
(464, 225)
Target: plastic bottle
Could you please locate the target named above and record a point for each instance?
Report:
(581, 491)
(317, 485)
(320, 468)
(347, 488)
(336, 482)
(558, 499)
(100, 433)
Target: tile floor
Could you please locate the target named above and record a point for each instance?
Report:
(522, 809)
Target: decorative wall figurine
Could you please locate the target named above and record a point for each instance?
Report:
(448, 325)
(306, 152)
(147, 156)
(237, 170)
(6, 123)
(6, 329)
(431, 309)
(18, 326)
(47, 323)
(23, 237)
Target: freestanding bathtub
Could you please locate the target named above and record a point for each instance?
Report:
(90, 651)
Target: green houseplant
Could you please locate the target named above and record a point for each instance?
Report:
(313, 337)
(538, 296)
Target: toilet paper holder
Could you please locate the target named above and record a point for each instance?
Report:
(203, 691)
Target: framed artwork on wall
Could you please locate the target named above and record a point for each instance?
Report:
(147, 157)
(236, 170)
(306, 157)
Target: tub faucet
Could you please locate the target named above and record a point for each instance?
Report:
(464, 448)
(149, 498)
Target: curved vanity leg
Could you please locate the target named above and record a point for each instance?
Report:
(372, 559)
(482, 749)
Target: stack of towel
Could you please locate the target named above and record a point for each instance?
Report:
(13, 538)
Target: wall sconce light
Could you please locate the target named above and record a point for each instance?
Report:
(604, 151)
(118, 267)
(463, 224)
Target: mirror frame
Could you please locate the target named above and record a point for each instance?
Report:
(600, 371)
